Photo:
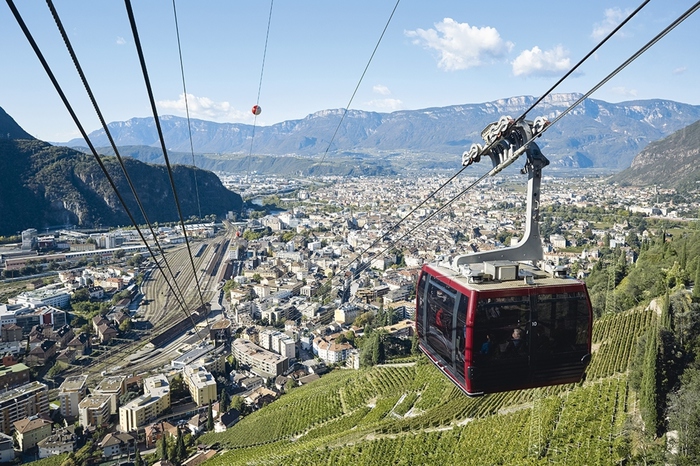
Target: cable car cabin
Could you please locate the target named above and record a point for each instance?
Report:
(524, 329)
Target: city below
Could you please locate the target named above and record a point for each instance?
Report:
(106, 340)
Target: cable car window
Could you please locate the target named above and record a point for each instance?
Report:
(562, 323)
(440, 307)
(461, 335)
(501, 329)
(420, 309)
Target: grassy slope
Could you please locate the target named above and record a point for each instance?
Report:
(355, 417)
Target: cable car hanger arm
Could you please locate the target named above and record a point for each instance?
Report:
(507, 140)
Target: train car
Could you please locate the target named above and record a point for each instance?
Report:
(510, 326)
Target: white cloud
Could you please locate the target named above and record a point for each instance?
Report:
(613, 17)
(385, 104)
(624, 92)
(205, 108)
(680, 70)
(461, 46)
(536, 62)
(120, 40)
(381, 89)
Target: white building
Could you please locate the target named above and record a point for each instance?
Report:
(58, 443)
(7, 451)
(327, 349)
(147, 407)
(71, 393)
(95, 410)
(114, 387)
(259, 359)
(43, 297)
(201, 384)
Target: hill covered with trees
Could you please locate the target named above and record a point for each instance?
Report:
(45, 186)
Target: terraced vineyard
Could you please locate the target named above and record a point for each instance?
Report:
(411, 415)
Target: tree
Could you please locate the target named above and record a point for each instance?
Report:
(70, 460)
(237, 403)
(684, 414)
(125, 326)
(162, 447)
(138, 461)
(177, 387)
(696, 285)
(180, 448)
(81, 294)
(415, 349)
(225, 400)
(210, 418)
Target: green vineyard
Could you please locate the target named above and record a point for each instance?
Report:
(409, 414)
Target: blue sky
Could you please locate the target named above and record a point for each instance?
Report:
(433, 54)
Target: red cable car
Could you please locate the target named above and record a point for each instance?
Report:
(494, 322)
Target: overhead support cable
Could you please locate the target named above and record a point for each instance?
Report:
(80, 127)
(179, 296)
(584, 59)
(151, 98)
(352, 97)
(257, 100)
(522, 149)
(187, 109)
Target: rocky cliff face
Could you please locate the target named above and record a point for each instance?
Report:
(47, 186)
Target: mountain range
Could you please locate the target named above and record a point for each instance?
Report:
(596, 134)
(45, 186)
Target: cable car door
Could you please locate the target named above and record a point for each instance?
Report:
(440, 321)
(559, 337)
(501, 345)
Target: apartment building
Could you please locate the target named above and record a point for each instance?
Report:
(259, 359)
(115, 387)
(94, 410)
(147, 407)
(71, 393)
(201, 384)
(22, 402)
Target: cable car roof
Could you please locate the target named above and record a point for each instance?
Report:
(539, 278)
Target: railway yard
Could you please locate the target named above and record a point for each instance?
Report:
(163, 324)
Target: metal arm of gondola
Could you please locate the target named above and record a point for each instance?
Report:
(506, 140)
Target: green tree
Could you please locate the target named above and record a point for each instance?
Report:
(210, 418)
(70, 460)
(225, 400)
(415, 348)
(696, 285)
(81, 294)
(125, 326)
(138, 461)
(180, 448)
(162, 447)
(648, 396)
(178, 390)
(237, 403)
